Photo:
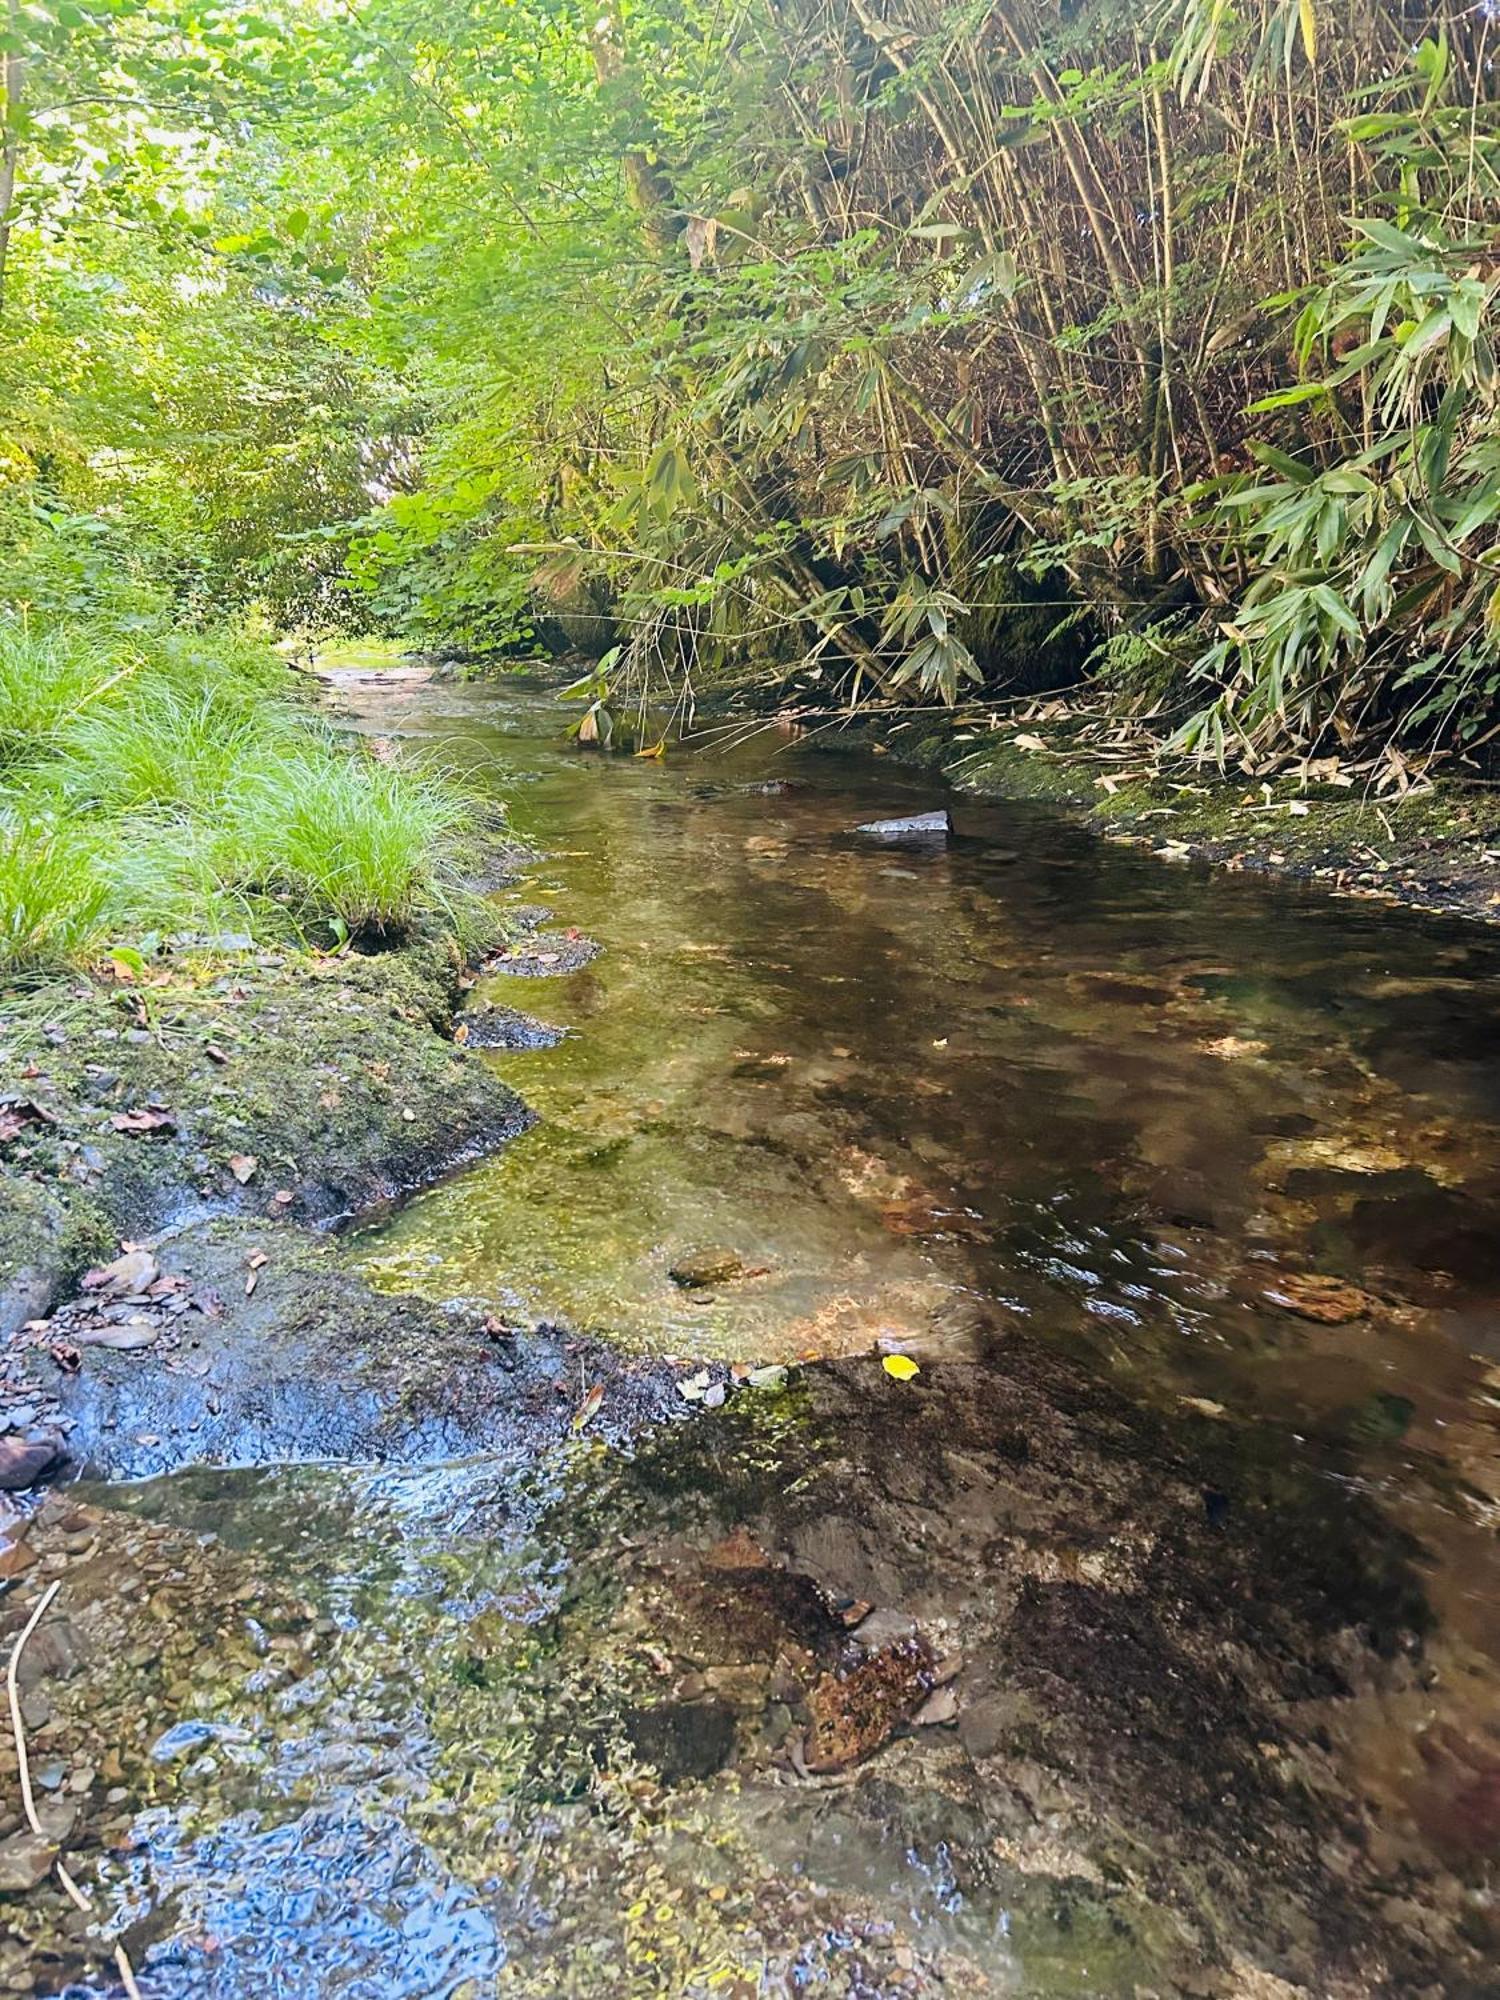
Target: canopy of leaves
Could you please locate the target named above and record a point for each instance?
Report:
(918, 353)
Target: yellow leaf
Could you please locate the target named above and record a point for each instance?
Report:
(1309, 19)
(901, 1366)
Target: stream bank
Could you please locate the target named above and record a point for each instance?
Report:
(1434, 847)
(228, 1125)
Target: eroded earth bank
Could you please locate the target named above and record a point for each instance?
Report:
(494, 1556)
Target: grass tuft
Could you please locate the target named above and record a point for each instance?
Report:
(347, 840)
(182, 791)
(54, 896)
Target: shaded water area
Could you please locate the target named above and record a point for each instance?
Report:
(1142, 1643)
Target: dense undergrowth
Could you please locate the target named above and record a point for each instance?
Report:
(168, 791)
(952, 349)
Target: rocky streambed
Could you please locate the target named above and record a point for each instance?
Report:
(707, 1545)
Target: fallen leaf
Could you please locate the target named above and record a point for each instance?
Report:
(588, 1409)
(131, 1272)
(215, 1054)
(243, 1166)
(900, 1367)
(773, 1376)
(18, 1112)
(147, 1119)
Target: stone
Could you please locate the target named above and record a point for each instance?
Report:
(1310, 1295)
(884, 1627)
(683, 1740)
(699, 1268)
(15, 1559)
(929, 826)
(23, 1461)
(941, 1706)
(25, 1860)
(853, 1715)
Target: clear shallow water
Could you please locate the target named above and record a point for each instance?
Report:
(1025, 1074)
(437, 1736)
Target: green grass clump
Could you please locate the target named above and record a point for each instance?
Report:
(182, 792)
(54, 896)
(46, 679)
(344, 838)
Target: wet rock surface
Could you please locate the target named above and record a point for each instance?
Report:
(488, 1026)
(545, 955)
(838, 1633)
(252, 1343)
(299, 1090)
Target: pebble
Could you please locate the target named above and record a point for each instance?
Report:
(25, 1860)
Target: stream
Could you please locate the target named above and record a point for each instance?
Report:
(1180, 1189)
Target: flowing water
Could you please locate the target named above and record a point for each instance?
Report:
(1182, 1192)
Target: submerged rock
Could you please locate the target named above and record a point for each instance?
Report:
(695, 1270)
(1312, 1295)
(852, 1715)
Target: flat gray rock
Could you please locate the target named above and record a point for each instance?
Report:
(920, 826)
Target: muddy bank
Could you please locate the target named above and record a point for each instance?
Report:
(302, 1089)
(1436, 849)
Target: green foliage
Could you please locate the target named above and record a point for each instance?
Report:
(53, 894)
(910, 353)
(1376, 554)
(46, 681)
(179, 792)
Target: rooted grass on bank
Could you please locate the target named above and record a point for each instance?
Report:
(175, 788)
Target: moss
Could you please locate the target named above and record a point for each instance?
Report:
(298, 1087)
